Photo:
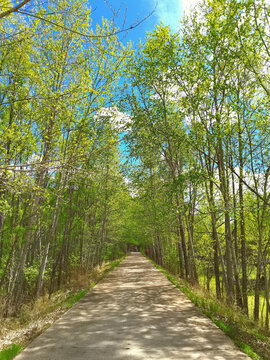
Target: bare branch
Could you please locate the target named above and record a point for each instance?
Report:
(131, 27)
(14, 9)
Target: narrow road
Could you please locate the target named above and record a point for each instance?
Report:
(133, 314)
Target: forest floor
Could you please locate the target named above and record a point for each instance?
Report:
(18, 331)
(134, 313)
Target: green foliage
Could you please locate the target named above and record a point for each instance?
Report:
(198, 143)
(62, 191)
(194, 187)
(10, 352)
(31, 273)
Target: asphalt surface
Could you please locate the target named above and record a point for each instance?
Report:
(135, 313)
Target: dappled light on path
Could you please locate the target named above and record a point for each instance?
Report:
(135, 313)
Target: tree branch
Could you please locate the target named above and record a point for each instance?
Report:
(14, 9)
(131, 27)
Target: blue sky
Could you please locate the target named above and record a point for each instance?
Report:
(167, 11)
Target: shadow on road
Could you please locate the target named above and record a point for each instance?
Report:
(135, 313)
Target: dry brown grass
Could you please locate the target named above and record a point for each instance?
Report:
(34, 318)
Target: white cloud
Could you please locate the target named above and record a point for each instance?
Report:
(171, 11)
(188, 5)
(118, 119)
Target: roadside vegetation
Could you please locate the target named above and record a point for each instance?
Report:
(16, 332)
(200, 136)
(246, 334)
(62, 193)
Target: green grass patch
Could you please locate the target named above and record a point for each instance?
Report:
(221, 325)
(259, 336)
(233, 334)
(247, 349)
(10, 352)
(212, 290)
(72, 299)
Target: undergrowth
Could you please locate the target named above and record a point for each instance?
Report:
(73, 298)
(35, 318)
(244, 332)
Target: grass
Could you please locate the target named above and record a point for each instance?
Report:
(230, 320)
(212, 289)
(75, 297)
(233, 334)
(247, 349)
(71, 300)
(10, 352)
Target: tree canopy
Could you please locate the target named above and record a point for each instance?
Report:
(164, 146)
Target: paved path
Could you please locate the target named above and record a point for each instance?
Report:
(133, 314)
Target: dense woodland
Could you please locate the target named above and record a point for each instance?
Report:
(164, 145)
